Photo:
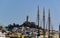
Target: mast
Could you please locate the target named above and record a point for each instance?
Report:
(49, 23)
(43, 22)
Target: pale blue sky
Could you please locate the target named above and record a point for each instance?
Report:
(15, 11)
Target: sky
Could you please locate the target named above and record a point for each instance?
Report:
(15, 11)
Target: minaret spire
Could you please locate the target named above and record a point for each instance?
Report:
(38, 35)
(43, 22)
(49, 23)
(43, 18)
(38, 15)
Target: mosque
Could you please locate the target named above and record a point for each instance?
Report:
(30, 30)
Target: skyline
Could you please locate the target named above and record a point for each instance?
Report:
(15, 11)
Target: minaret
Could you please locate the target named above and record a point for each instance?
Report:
(43, 22)
(49, 23)
(38, 36)
(38, 15)
(59, 31)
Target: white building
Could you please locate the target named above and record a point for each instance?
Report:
(2, 35)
